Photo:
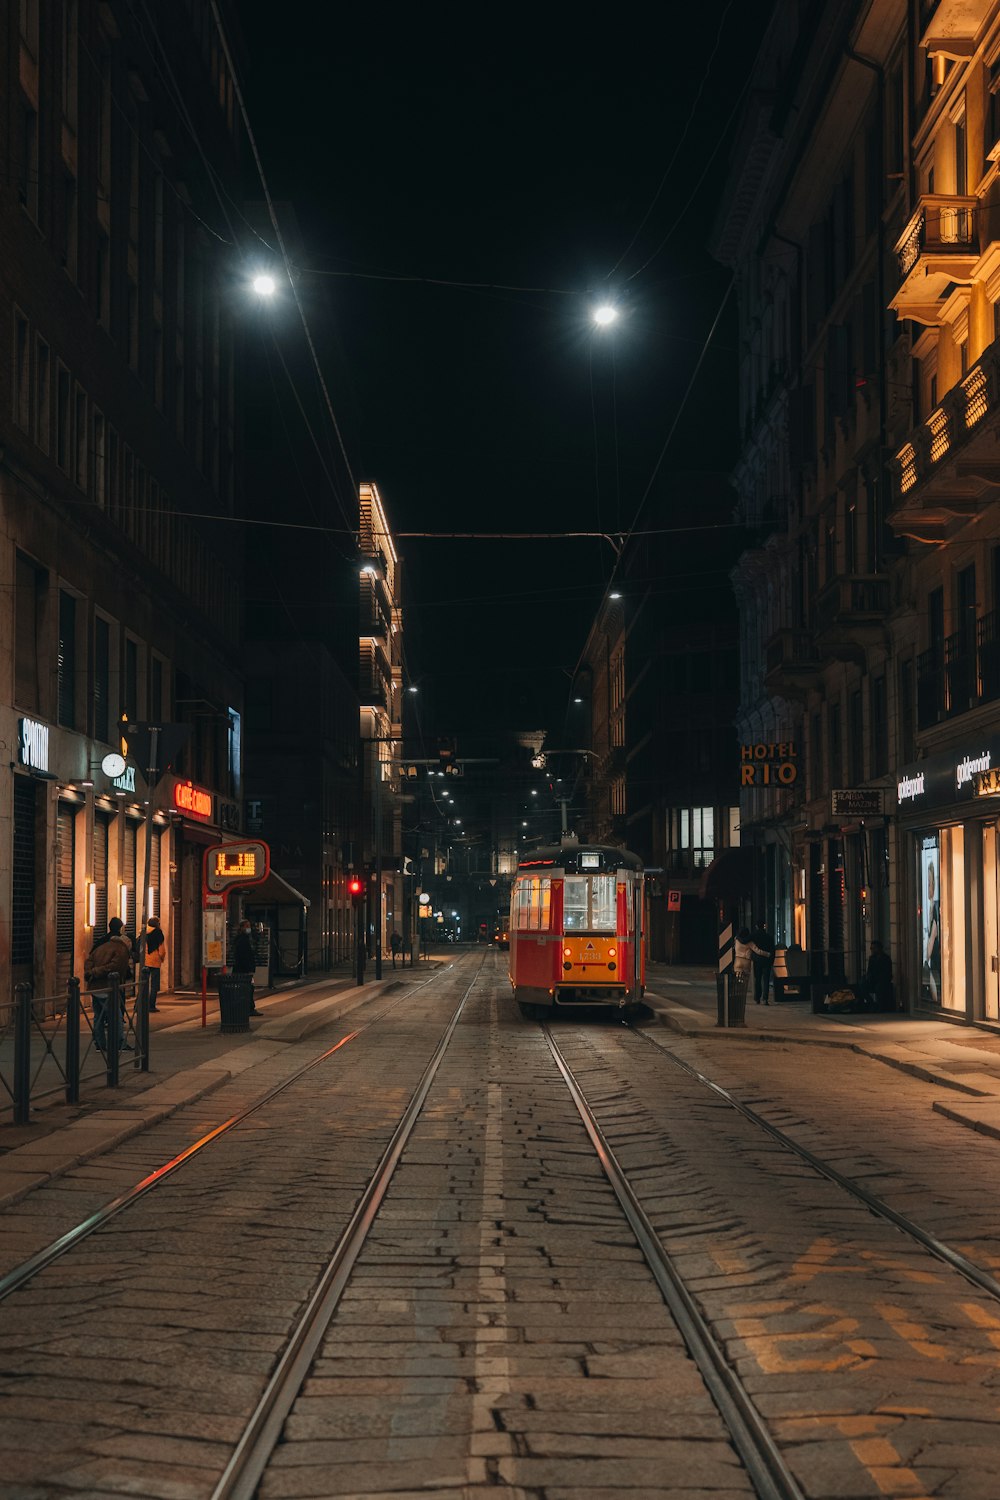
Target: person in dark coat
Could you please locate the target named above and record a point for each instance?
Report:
(245, 956)
(875, 990)
(763, 962)
(396, 945)
(109, 957)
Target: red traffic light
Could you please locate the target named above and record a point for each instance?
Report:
(355, 886)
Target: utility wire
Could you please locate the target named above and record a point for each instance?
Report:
(237, 89)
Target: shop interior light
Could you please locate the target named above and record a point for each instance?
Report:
(123, 904)
(91, 903)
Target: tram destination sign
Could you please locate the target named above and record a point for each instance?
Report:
(857, 802)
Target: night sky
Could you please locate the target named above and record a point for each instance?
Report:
(519, 148)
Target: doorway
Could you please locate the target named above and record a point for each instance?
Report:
(991, 923)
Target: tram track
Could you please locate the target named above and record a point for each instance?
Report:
(21, 1275)
(958, 1261)
(769, 1473)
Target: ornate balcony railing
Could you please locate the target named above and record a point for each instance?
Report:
(941, 224)
(951, 427)
(855, 599)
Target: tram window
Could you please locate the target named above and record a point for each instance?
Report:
(532, 904)
(589, 903)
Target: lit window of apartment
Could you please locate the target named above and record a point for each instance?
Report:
(691, 837)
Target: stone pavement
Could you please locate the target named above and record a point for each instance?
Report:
(187, 1061)
(963, 1059)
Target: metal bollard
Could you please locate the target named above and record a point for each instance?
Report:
(113, 1031)
(22, 1054)
(73, 1041)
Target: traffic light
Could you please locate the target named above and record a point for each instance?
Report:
(356, 890)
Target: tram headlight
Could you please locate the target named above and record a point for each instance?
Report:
(612, 952)
(567, 952)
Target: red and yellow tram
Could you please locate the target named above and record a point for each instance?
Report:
(576, 928)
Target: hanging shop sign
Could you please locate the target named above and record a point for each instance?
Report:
(955, 776)
(769, 763)
(236, 864)
(856, 802)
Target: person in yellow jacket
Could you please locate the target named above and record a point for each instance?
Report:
(154, 952)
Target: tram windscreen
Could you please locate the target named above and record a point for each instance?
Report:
(589, 903)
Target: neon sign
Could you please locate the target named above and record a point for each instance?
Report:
(193, 800)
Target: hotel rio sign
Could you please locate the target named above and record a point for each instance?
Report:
(769, 763)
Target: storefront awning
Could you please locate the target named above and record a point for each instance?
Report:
(274, 890)
(730, 875)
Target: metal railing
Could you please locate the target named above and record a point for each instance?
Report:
(54, 1044)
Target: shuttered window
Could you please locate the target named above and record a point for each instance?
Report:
(101, 826)
(65, 863)
(128, 874)
(22, 944)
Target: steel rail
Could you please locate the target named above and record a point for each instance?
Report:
(23, 1273)
(953, 1258)
(770, 1476)
(262, 1433)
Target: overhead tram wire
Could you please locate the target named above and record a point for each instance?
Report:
(244, 114)
(679, 143)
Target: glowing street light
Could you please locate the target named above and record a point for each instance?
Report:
(605, 315)
(264, 285)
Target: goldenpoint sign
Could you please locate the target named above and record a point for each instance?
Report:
(955, 776)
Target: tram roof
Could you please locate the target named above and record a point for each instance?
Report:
(567, 857)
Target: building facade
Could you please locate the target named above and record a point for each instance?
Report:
(118, 469)
(859, 225)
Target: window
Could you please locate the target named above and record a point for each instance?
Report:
(155, 688)
(80, 434)
(532, 904)
(68, 228)
(22, 373)
(43, 401)
(880, 726)
(130, 680)
(589, 903)
(64, 417)
(691, 837)
(907, 711)
(27, 175)
(70, 72)
(836, 753)
(67, 660)
(855, 739)
(98, 459)
(29, 607)
(102, 680)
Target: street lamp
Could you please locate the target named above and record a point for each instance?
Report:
(264, 285)
(605, 315)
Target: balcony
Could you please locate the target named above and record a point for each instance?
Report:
(959, 675)
(791, 663)
(850, 615)
(949, 467)
(938, 247)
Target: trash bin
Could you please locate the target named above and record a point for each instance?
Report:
(235, 1002)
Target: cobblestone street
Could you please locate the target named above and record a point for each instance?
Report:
(500, 1325)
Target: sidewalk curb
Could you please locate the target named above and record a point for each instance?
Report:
(69, 1147)
(674, 1014)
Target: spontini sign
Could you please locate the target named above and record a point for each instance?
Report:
(769, 763)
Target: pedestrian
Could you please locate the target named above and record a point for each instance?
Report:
(245, 958)
(763, 962)
(155, 950)
(110, 957)
(396, 944)
(875, 990)
(743, 953)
